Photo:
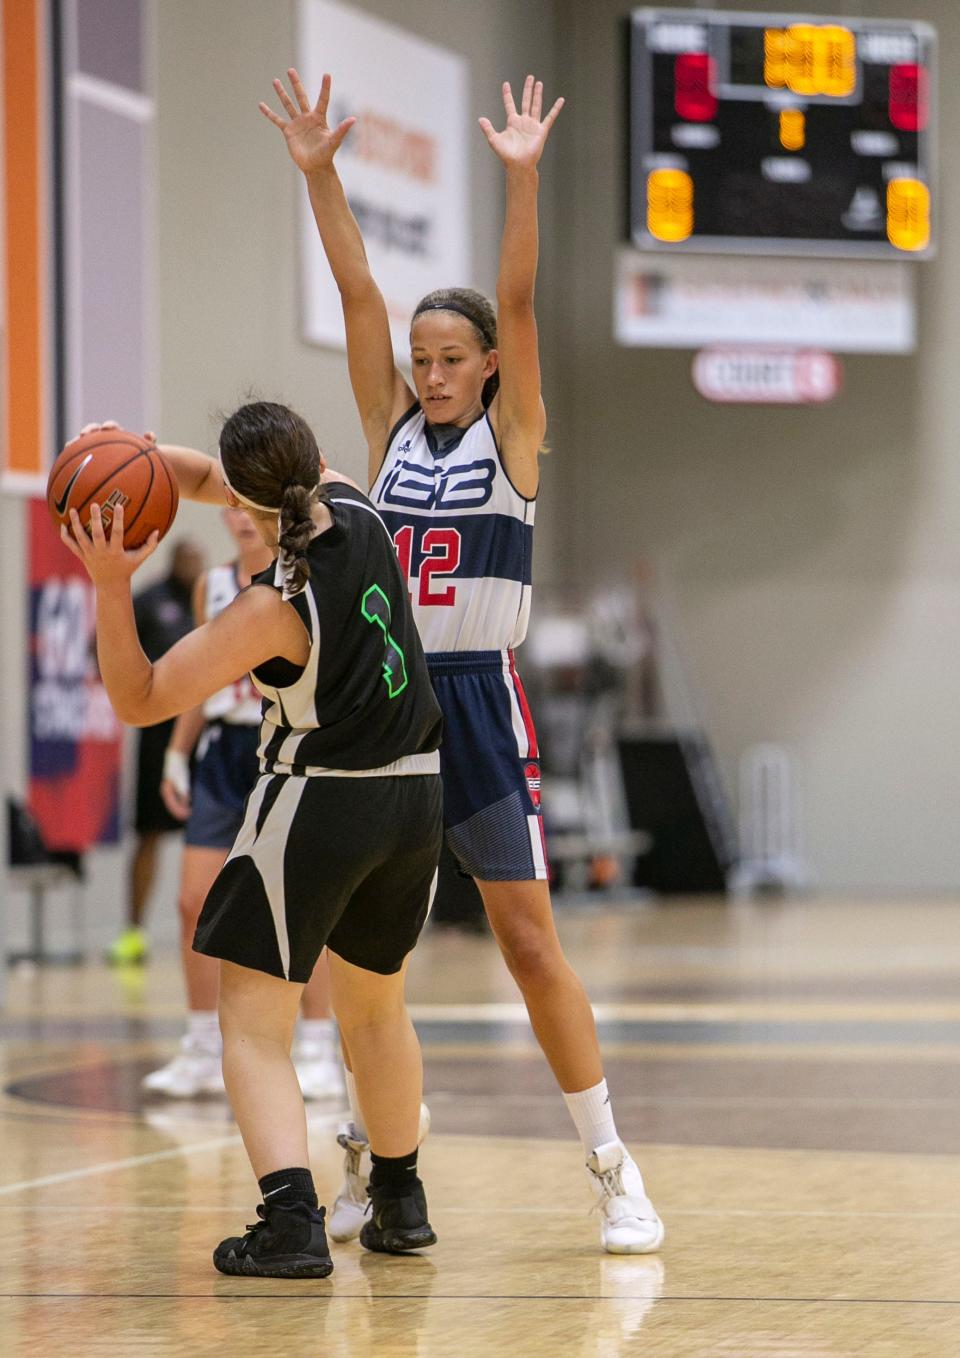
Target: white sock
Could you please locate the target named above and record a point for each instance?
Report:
(323, 1032)
(203, 1030)
(592, 1114)
(355, 1115)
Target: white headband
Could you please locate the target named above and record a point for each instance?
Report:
(252, 504)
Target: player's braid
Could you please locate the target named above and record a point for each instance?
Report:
(296, 530)
(479, 311)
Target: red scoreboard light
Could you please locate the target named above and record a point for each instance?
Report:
(695, 95)
(781, 134)
(909, 98)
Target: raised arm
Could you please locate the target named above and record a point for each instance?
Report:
(517, 410)
(198, 476)
(379, 389)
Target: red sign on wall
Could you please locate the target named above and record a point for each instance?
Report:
(766, 376)
(75, 738)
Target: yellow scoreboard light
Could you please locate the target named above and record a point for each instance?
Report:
(803, 58)
(775, 58)
(908, 214)
(793, 129)
(811, 60)
(670, 205)
(837, 51)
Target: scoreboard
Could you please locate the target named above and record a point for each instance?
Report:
(781, 134)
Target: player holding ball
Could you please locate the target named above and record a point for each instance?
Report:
(341, 834)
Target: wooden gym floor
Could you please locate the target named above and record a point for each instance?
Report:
(786, 1072)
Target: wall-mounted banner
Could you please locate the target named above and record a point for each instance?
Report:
(403, 164)
(75, 739)
(753, 375)
(683, 302)
(25, 257)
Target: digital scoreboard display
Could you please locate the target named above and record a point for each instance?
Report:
(781, 134)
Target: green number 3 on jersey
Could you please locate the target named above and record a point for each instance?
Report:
(375, 607)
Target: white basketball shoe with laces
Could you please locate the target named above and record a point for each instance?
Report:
(194, 1070)
(629, 1224)
(352, 1203)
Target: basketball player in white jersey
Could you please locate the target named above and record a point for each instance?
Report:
(226, 732)
(341, 835)
(453, 467)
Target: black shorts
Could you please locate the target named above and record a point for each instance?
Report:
(151, 816)
(346, 863)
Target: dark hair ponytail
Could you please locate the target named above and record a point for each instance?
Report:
(478, 310)
(270, 457)
(296, 530)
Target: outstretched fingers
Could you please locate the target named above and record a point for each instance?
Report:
(551, 117)
(526, 97)
(323, 98)
(509, 106)
(288, 105)
(268, 112)
(297, 86)
(536, 104)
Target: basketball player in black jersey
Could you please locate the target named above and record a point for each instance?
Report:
(341, 834)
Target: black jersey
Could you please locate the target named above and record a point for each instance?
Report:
(364, 699)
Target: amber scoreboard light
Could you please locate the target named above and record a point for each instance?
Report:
(781, 134)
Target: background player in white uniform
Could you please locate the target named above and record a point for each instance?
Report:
(341, 836)
(454, 471)
(227, 727)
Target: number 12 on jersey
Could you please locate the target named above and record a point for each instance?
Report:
(441, 556)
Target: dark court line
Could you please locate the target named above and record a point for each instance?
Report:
(458, 1296)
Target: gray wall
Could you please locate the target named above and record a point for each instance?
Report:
(811, 554)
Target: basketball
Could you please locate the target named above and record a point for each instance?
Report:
(112, 467)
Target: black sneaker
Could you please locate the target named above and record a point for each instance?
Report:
(287, 1242)
(397, 1224)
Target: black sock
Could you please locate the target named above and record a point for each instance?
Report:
(285, 1187)
(394, 1175)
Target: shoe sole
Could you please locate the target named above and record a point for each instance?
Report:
(651, 1248)
(283, 1266)
(398, 1242)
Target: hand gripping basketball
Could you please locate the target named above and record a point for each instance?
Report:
(114, 468)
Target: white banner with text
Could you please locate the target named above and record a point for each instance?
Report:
(403, 164)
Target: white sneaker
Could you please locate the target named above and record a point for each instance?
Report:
(320, 1073)
(630, 1223)
(352, 1203)
(194, 1070)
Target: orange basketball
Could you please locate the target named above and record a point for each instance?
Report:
(113, 467)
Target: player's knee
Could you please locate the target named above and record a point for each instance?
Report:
(530, 956)
(189, 905)
(363, 1019)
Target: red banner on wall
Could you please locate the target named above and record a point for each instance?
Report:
(75, 738)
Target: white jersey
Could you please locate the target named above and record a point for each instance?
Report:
(463, 534)
(239, 702)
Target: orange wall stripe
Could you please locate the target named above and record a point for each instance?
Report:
(25, 253)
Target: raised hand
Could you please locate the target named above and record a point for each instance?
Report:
(311, 141)
(522, 140)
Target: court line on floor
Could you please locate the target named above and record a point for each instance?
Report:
(440, 1210)
(710, 1011)
(110, 1166)
(579, 1298)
